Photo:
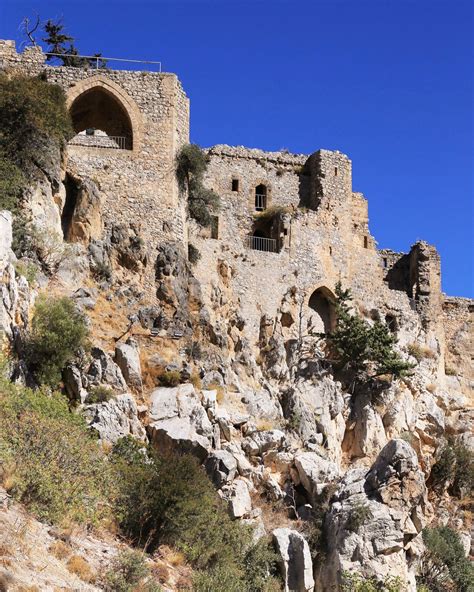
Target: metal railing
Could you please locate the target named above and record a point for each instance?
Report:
(260, 202)
(259, 243)
(101, 61)
(91, 141)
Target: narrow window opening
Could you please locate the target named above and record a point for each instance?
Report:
(235, 185)
(285, 232)
(385, 262)
(260, 198)
(335, 171)
(330, 250)
(366, 242)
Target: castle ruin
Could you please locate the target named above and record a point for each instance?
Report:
(290, 226)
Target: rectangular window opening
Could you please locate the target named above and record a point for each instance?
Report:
(235, 184)
(385, 262)
(335, 171)
(366, 242)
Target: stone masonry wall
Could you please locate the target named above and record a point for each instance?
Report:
(136, 185)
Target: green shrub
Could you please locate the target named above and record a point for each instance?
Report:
(193, 254)
(48, 458)
(358, 516)
(170, 378)
(12, 184)
(28, 270)
(30, 111)
(260, 567)
(444, 566)
(58, 332)
(352, 582)
(455, 466)
(99, 394)
(127, 571)
(365, 350)
(272, 212)
(191, 164)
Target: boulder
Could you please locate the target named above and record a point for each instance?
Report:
(295, 561)
(261, 441)
(178, 435)
(240, 503)
(127, 357)
(73, 384)
(221, 467)
(103, 370)
(314, 472)
(115, 418)
(5, 235)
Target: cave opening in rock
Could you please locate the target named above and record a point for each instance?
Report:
(70, 203)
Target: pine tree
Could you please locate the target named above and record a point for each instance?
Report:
(365, 350)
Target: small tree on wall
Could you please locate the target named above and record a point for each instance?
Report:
(191, 164)
(367, 351)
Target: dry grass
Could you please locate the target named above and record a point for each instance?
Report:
(60, 550)
(161, 572)
(419, 352)
(23, 588)
(81, 568)
(263, 425)
(220, 391)
(196, 381)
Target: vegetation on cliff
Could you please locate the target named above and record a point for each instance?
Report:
(363, 350)
(191, 164)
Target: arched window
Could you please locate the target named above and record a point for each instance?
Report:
(99, 119)
(260, 198)
(322, 303)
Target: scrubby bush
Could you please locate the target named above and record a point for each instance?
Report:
(12, 184)
(170, 378)
(419, 352)
(58, 333)
(191, 164)
(170, 500)
(365, 350)
(127, 571)
(359, 515)
(352, 582)
(48, 459)
(444, 565)
(456, 467)
(99, 394)
(31, 110)
(193, 254)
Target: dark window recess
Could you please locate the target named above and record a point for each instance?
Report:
(366, 242)
(385, 262)
(330, 250)
(285, 232)
(335, 171)
(235, 184)
(260, 198)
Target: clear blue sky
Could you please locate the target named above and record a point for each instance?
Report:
(390, 83)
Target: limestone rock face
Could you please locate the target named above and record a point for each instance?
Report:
(260, 442)
(296, 565)
(377, 517)
(127, 358)
(86, 219)
(115, 418)
(5, 235)
(103, 370)
(314, 472)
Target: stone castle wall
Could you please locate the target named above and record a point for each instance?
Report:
(136, 185)
(319, 224)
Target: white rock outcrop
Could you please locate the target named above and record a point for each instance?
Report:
(295, 561)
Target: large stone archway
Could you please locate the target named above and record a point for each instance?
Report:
(99, 103)
(322, 310)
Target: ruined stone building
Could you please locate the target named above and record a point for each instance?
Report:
(290, 226)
